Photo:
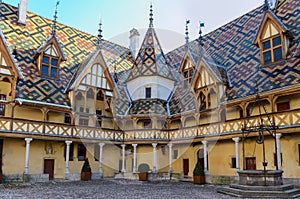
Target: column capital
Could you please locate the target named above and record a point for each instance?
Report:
(68, 142)
(204, 142)
(101, 144)
(154, 145)
(123, 145)
(28, 139)
(278, 135)
(134, 145)
(170, 144)
(236, 139)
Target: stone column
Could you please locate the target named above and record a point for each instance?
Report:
(123, 158)
(205, 155)
(134, 158)
(237, 154)
(27, 140)
(278, 151)
(154, 158)
(68, 143)
(170, 157)
(100, 159)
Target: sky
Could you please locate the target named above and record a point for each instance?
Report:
(120, 16)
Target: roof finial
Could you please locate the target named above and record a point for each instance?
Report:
(55, 17)
(200, 39)
(100, 32)
(187, 32)
(266, 5)
(151, 17)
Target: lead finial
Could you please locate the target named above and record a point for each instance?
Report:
(55, 18)
(100, 32)
(187, 32)
(200, 39)
(151, 17)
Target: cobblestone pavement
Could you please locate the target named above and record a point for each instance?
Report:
(109, 188)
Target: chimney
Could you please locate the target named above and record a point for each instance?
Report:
(134, 41)
(22, 12)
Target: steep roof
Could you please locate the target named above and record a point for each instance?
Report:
(150, 60)
(75, 44)
(231, 46)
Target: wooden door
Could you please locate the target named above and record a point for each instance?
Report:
(49, 168)
(251, 163)
(185, 167)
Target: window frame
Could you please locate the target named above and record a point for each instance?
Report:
(50, 64)
(272, 48)
(148, 92)
(2, 106)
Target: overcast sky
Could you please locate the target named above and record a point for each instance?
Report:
(119, 16)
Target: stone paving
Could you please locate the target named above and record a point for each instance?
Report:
(109, 188)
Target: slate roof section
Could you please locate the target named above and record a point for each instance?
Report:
(231, 46)
(150, 60)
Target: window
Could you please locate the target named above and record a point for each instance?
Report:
(67, 118)
(175, 154)
(283, 106)
(100, 95)
(99, 117)
(71, 152)
(147, 124)
(148, 92)
(81, 152)
(272, 49)
(83, 121)
(96, 152)
(50, 64)
(90, 94)
(233, 162)
(2, 106)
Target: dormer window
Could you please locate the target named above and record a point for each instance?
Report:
(272, 50)
(188, 72)
(272, 39)
(48, 58)
(50, 63)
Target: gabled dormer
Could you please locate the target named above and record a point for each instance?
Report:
(187, 68)
(48, 58)
(272, 38)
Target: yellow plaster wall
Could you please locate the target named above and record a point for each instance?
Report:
(28, 113)
(219, 158)
(56, 117)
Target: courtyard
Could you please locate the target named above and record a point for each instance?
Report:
(109, 188)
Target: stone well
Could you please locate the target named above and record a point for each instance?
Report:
(260, 177)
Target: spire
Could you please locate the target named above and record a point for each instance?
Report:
(100, 32)
(151, 17)
(187, 32)
(266, 5)
(55, 17)
(200, 39)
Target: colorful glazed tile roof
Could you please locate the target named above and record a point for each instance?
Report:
(228, 51)
(150, 60)
(76, 46)
(232, 46)
(153, 106)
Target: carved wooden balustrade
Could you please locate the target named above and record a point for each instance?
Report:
(285, 119)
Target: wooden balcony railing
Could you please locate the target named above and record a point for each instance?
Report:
(285, 119)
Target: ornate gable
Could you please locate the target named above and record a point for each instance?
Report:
(48, 58)
(8, 66)
(272, 38)
(187, 67)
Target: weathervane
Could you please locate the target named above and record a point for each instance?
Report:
(151, 17)
(200, 39)
(55, 18)
(266, 5)
(187, 32)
